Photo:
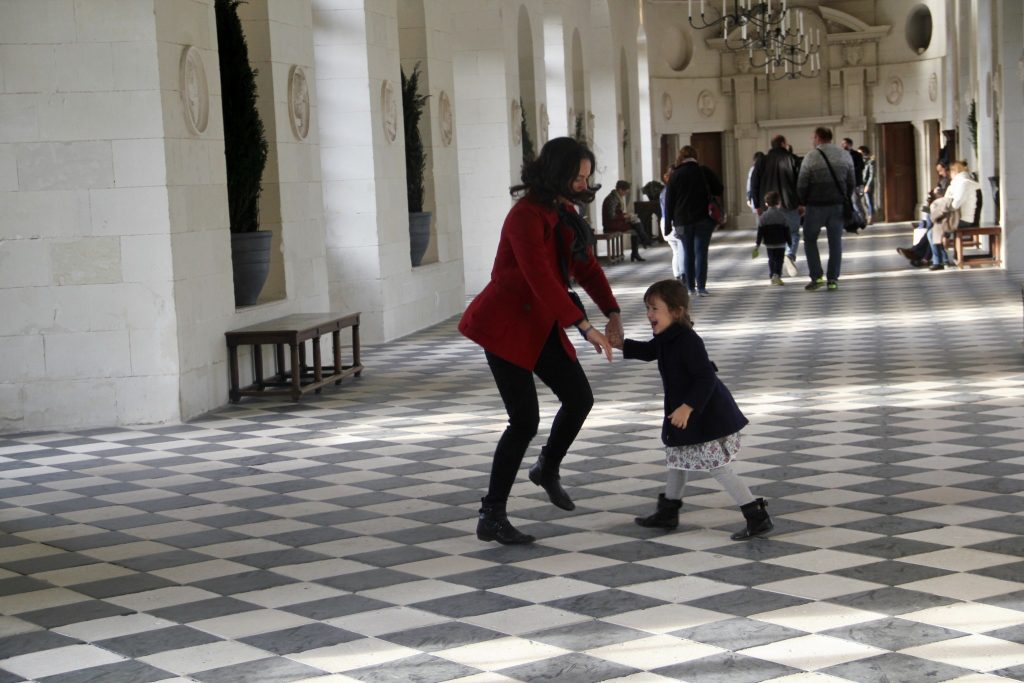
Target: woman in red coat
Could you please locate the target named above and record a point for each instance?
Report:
(519, 320)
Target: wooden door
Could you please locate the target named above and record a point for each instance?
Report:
(709, 151)
(899, 161)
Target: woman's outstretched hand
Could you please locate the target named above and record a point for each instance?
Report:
(613, 330)
(600, 342)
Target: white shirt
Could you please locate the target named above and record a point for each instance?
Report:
(962, 191)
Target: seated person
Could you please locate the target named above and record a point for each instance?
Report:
(921, 253)
(955, 209)
(614, 218)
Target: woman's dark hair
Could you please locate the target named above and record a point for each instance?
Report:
(675, 296)
(552, 173)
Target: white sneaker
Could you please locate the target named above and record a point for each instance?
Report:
(789, 264)
(777, 280)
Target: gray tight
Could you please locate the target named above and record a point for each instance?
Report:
(724, 475)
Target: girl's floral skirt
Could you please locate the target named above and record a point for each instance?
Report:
(703, 456)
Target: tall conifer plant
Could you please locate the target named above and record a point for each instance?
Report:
(415, 156)
(245, 140)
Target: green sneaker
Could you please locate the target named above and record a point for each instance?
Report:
(833, 285)
(821, 280)
(813, 285)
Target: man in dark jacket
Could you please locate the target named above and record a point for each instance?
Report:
(777, 171)
(825, 182)
(858, 176)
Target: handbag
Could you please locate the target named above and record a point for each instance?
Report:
(852, 220)
(715, 211)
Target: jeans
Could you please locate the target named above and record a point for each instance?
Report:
(831, 218)
(775, 256)
(939, 254)
(793, 221)
(696, 240)
(678, 265)
(566, 379)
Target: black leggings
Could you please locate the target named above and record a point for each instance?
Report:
(566, 379)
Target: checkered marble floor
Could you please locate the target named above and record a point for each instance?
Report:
(332, 540)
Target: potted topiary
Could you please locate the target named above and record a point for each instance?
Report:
(245, 152)
(415, 164)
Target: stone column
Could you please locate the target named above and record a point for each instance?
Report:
(1009, 36)
(986, 107)
(748, 139)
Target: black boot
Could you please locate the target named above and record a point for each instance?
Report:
(667, 516)
(546, 476)
(635, 256)
(494, 526)
(758, 521)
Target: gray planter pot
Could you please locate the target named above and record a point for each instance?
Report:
(250, 260)
(419, 236)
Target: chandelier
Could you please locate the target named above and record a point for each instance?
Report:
(770, 35)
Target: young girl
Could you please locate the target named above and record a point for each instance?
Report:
(701, 430)
(773, 230)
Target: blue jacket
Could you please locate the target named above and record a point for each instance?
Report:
(689, 377)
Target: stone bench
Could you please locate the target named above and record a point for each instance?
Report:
(293, 376)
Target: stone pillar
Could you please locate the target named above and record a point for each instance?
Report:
(986, 108)
(1009, 36)
(748, 141)
(483, 99)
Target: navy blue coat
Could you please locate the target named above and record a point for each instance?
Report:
(689, 377)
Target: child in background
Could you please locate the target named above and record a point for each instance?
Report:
(701, 429)
(773, 230)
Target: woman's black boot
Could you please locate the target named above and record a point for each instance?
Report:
(546, 476)
(667, 516)
(635, 256)
(494, 526)
(758, 521)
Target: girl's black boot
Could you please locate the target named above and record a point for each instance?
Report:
(494, 526)
(758, 521)
(667, 516)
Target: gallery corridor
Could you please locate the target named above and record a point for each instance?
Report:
(332, 540)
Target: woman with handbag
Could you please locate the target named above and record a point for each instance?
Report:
(519, 320)
(692, 212)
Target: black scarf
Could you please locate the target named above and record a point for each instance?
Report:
(583, 234)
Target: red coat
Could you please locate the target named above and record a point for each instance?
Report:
(527, 295)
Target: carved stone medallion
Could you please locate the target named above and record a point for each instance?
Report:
(666, 106)
(195, 94)
(445, 118)
(298, 102)
(706, 103)
(894, 90)
(389, 111)
(933, 87)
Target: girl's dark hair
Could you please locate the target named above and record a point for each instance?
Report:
(552, 173)
(675, 296)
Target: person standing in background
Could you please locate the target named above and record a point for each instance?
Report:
(777, 172)
(870, 171)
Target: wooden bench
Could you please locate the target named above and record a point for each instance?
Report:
(295, 331)
(969, 237)
(613, 251)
